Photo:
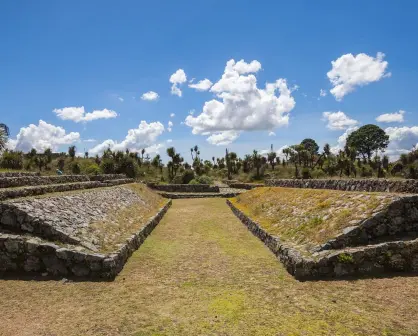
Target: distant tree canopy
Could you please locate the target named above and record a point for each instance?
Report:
(367, 140)
(310, 145)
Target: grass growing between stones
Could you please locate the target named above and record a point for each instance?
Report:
(309, 216)
(119, 226)
(202, 273)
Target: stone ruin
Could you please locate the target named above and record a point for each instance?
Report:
(385, 242)
(51, 234)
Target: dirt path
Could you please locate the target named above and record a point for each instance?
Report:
(202, 273)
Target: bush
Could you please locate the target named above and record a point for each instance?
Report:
(306, 173)
(107, 166)
(366, 171)
(187, 176)
(12, 160)
(75, 168)
(194, 181)
(204, 179)
(127, 166)
(93, 169)
(318, 173)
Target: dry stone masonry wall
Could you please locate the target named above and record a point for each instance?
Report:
(20, 254)
(193, 188)
(378, 185)
(10, 181)
(65, 218)
(362, 260)
(8, 193)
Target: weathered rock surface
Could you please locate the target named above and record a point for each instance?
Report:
(194, 188)
(65, 218)
(22, 254)
(381, 185)
(23, 179)
(393, 256)
(8, 193)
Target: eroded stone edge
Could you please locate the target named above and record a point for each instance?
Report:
(401, 256)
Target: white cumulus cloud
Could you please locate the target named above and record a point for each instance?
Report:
(401, 140)
(338, 120)
(202, 85)
(41, 137)
(176, 79)
(272, 133)
(342, 139)
(144, 136)
(222, 138)
(172, 115)
(78, 114)
(150, 96)
(241, 105)
(350, 71)
(391, 117)
(169, 126)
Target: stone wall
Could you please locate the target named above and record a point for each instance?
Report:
(18, 174)
(194, 188)
(20, 254)
(65, 218)
(9, 193)
(378, 185)
(198, 195)
(106, 177)
(395, 256)
(398, 220)
(246, 186)
(34, 180)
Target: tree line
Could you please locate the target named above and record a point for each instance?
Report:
(362, 156)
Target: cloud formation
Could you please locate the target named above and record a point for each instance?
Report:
(223, 138)
(176, 79)
(391, 117)
(78, 114)
(349, 72)
(338, 120)
(202, 85)
(241, 105)
(41, 137)
(401, 140)
(144, 136)
(150, 96)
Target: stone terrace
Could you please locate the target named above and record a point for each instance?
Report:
(52, 224)
(328, 233)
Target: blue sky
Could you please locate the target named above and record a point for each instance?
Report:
(60, 55)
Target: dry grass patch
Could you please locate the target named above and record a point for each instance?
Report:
(119, 226)
(201, 272)
(309, 216)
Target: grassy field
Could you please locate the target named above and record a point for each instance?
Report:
(202, 273)
(309, 216)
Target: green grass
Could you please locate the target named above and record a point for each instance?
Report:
(202, 273)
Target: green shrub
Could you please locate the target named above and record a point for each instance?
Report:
(107, 166)
(127, 166)
(318, 173)
(75, 168)
(187, 176)
(194, 181)
(93, 169)
(204, 179)
(12, 160)
(306, 173)
(345, 258)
